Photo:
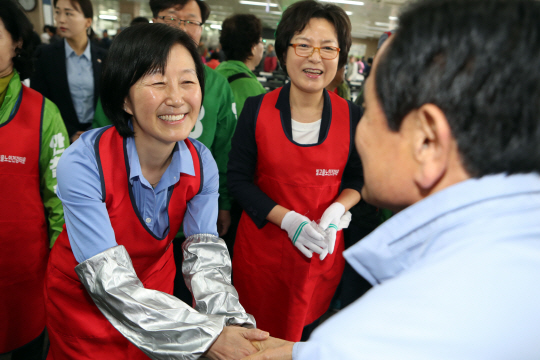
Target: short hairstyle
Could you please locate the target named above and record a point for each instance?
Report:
(19, 28)
(135, 52)
(139, 20)
(85, 5)
(159, 5)
(239, 33)
(448, 53)
(298, 15)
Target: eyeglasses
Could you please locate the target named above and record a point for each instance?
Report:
(171, 20)
(326, 52)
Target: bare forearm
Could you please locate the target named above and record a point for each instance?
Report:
(348, 198)
(276, 215)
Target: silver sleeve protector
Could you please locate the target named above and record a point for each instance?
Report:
(207, 273)
(159, 324)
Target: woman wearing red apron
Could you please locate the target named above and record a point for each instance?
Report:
(293, 162)
(126, 190)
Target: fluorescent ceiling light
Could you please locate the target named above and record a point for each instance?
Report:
(108, 17)
(345, 2)
(264, 12)
(348, 13)
(393, 17)
(256, 3)
(382, 24)
(217, 27)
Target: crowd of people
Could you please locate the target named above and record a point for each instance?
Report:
(131, 170)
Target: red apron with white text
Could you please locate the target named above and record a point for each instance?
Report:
(277, 284)
(24, 241)
(77, 329)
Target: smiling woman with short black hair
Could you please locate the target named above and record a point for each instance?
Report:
(126, 190)
(292, 154)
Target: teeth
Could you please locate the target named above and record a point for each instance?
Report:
(318, 72)
(172, 117)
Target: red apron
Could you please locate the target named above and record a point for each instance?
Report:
(77, 329)
(24, 241)
(277, 284)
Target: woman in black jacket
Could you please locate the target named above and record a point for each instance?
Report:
(67, 72)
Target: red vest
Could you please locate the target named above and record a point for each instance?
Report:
(277, 284)
(77, 329)
(24, 241)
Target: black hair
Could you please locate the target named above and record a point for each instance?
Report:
(159, 5)
(139, 20)
(298, 15)
(19, 28)
(135, 52)
(214, 56)
(450, 53)
(239, 33)
(85, 5)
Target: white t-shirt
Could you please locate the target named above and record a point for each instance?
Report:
(306, 133)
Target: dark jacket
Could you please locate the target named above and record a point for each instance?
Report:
(50, 79)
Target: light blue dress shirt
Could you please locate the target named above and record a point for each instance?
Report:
(80, 76)
(456, 276)
(87, 220)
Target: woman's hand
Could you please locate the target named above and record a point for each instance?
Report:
(303, 235)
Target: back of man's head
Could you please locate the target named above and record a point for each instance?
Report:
(451, 53)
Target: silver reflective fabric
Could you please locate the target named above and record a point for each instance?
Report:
(207, 273)
(159, 324)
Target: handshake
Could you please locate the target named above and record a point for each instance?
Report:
(311, 238)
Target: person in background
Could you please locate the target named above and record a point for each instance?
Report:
(105, 41)
(46, 35)
(270, 60)
(126, 190)
(241, 41)
(32, 138)
(68, 72)
(214, 60)
(293, 163)
(339, 85)
(139, 20)
(453, 148)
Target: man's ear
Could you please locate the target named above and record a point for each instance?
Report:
(432, 145)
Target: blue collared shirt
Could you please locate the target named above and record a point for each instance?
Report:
(87, 220)
(456, 276)
(80, 76)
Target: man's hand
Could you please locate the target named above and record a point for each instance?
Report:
(234, 343)
(272, 349)
(223, 222)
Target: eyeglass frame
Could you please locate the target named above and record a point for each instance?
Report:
(180, 21)
(318, 48)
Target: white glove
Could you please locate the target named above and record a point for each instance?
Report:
(302, 234)
(334, 219)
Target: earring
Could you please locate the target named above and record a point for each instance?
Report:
(89, 30)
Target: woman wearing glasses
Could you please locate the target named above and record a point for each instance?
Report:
(293, 162)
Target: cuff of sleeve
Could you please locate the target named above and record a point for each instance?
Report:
(297, 347)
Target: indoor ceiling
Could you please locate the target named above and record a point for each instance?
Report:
(369, 18)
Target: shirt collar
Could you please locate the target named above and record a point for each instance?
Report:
(70, 52)
(398, 243)
(181, 162)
